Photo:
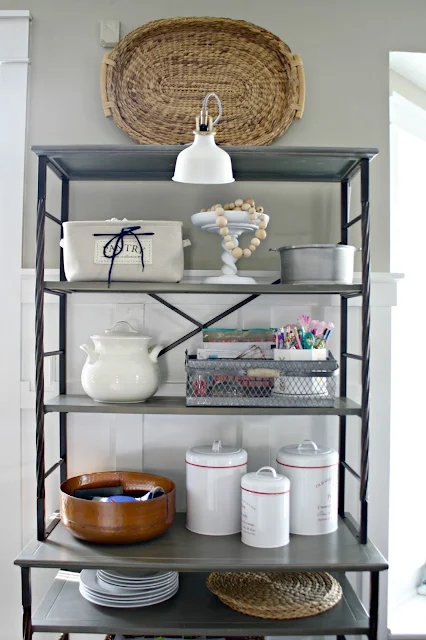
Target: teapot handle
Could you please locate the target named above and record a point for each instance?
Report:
(129, 326)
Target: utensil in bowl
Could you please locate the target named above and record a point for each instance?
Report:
(117, 522)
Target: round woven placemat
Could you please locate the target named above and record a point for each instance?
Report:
(279, 596)
(154, 81)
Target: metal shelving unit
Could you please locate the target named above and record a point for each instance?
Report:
(194, 610)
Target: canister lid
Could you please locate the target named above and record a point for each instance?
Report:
(216, 455)
(266, 481)
(307, 454)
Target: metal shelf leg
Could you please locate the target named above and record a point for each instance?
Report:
(344, 219)
(27, 631)
(366, 319)
(39, 348)
(374, 605)
(63, 338)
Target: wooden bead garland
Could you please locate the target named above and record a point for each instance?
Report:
(256, 215)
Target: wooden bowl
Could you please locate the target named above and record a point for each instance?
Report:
(117, 522)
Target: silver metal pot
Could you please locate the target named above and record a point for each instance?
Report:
(317, 263)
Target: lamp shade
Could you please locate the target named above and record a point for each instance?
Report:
(203, 162)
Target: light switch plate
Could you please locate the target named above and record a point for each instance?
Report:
(110, 33)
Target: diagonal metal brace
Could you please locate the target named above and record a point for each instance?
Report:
(175, 309)
(200, 326)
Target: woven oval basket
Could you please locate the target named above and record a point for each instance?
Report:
(278, 596)
(153, 82)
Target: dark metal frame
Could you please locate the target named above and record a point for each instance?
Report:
(40, 289)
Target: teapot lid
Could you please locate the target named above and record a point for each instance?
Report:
(216, 455)
(126, 332)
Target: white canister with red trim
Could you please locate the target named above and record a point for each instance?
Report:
(265, 509)
(313, 473)
(213, 489)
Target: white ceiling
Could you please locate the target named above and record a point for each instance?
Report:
(410, 65)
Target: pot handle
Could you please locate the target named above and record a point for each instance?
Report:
(307, 442)
(129, 326)
(271, 469)
(217, 446)
(274, 249)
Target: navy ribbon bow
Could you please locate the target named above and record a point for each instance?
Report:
(117, 243)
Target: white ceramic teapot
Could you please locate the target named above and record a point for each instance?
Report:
(121, 368)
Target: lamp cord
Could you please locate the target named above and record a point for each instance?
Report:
(219, 106)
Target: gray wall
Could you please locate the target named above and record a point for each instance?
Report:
(345, 50)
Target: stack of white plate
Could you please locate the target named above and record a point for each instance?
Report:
(128, 589)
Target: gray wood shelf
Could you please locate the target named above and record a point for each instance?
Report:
(177, 405)
(192, 611)
(157, 162)
(204, 289)
(181, 550)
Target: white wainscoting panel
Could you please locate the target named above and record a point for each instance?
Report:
(157, 443)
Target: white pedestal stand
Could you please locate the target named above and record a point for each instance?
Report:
(238, 223)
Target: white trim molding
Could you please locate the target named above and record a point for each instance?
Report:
(14, 36)
(15, 14)
(14, 47)
(16, 61)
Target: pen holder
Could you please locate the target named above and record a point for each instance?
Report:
(297, 385)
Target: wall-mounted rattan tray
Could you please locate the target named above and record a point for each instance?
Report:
(154, 80)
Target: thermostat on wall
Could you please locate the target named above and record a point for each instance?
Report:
(110, 32)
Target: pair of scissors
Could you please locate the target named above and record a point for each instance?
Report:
(308, 340)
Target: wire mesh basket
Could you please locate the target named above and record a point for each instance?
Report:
(261, 383)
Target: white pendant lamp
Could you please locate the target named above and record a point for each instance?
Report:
(204, 162)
